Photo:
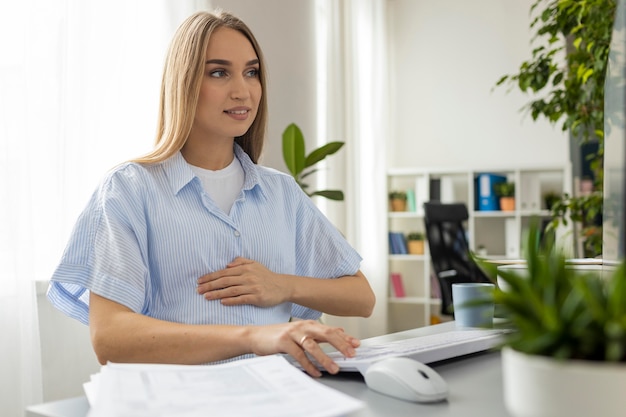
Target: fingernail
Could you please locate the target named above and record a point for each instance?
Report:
(334, 368)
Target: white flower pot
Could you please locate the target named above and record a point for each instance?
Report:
(538, 386)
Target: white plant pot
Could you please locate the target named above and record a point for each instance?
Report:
(539, 386)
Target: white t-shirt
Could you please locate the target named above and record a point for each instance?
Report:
(224, 185)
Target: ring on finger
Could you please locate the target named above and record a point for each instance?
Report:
(303, 339)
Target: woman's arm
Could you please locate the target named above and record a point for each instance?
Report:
(248, 282)
(118, 334)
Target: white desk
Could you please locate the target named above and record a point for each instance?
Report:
(475, 384)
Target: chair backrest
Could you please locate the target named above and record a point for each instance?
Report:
(449, 249)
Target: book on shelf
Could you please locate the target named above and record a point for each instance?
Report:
(434, 189)
(397, 285)
(530, 192)
(442, 189)
(435, 290)
(393, 245)
(397, 243)
(410, 200)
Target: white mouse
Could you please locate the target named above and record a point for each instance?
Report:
(406, 379)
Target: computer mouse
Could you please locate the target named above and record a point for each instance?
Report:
(406, 379)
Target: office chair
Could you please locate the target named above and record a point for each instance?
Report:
(449, 250)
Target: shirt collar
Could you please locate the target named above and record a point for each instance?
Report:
(179, 173)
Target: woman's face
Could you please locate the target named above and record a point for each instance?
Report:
(231, 88)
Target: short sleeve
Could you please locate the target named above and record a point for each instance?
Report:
(321, 251)
(106, 250)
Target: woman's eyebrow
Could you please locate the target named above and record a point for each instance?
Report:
(226, 62)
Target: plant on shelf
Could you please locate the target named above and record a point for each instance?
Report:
(506, 192)
(301, 165)
(550, 198)
(566, 77)
(397, 200)
(415, 243)
(565, 320)
(504, 189)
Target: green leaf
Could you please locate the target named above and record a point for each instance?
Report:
(321, 153)
(293, 149)
(297, 162)
(336, 195)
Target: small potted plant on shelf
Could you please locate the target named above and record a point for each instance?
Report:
(566, 354)
(397, 200)
(550, 198)
(415, 243)
(506, 192)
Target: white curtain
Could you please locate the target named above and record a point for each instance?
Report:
(79, 84)
(353, 86)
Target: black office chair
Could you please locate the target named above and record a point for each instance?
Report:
(449, 249)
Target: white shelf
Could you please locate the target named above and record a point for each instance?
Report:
(500, 232)
(405, 215)
(409, 257)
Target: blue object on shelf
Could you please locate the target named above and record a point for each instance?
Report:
(486, 198)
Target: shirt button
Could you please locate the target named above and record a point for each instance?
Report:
(237, 234)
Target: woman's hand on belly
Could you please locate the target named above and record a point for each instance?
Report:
(245, 281)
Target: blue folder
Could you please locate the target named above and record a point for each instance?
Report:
(486, 198)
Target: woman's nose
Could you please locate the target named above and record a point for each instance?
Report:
(239, 88)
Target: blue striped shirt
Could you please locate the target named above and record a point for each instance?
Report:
(150, 231)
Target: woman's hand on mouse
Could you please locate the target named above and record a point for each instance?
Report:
(300, 338)
(244, 281)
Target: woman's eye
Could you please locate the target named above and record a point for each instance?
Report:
(217, 73)
(253, 73)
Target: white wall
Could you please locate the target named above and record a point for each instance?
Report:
(285, 30)
(447, 57)
(67, 357)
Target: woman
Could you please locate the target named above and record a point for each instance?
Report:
(193, 253)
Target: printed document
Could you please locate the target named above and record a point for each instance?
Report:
(266, 386)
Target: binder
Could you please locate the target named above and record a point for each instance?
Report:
(486, 198)
(397, 285)
(397, 243)
(410, 200)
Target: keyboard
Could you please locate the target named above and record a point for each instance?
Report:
(426, 349)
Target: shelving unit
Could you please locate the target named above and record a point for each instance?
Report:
(499, 233)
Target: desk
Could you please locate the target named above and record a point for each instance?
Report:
(475, 383)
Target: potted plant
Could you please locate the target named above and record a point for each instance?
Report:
(415, 243)
(566, 355)
(566, 79)
(506, 192)
(397, 200)
(550, 198)
(300, 165)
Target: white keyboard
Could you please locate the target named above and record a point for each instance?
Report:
(426, 349)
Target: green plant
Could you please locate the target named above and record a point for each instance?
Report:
(559, 311)
(504, 189)
(570, 90)
(397, 195)
(415, 236)
(585, 210)
(301, 165)
(550, 198)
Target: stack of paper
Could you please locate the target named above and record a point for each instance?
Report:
(264, 386)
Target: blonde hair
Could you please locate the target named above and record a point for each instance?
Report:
(180, 86)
